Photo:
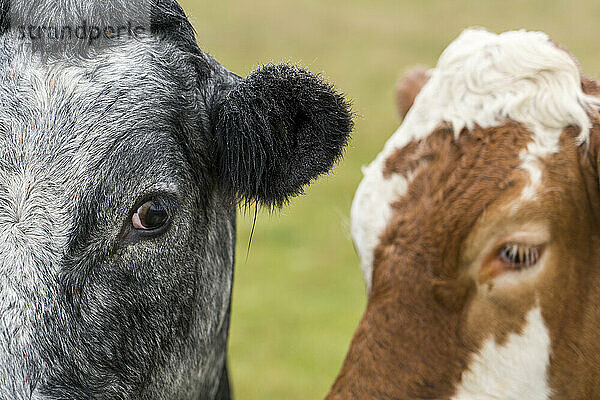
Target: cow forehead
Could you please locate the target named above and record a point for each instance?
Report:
(68, 115)
(481, 80)
(77, 91)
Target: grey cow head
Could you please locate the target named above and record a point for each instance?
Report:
(121, 163)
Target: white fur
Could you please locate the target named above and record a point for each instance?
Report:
(375, 195)
(516, 370)
(33, 236)
(481, 79)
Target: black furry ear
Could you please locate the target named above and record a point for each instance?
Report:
(276, 131)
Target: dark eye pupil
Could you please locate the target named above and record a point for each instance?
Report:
(152, 215)
(510, 256)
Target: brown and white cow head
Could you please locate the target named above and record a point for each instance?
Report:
(478, 229)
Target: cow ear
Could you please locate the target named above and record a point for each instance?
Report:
(408, 87)
(277, 130)
(592, 88)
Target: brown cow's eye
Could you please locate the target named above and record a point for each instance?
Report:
(150, 216)
(511, 257)
(519, 256)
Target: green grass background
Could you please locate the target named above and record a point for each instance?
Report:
(299, 294)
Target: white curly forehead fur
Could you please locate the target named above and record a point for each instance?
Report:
(481, 79)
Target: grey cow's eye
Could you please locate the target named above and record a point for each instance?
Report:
(151, 215)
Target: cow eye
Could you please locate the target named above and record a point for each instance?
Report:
(151, 215)
(522, 251)
(518, 256)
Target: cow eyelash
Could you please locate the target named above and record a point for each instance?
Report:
(520, 256)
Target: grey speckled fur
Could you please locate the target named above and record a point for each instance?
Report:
(90, 308)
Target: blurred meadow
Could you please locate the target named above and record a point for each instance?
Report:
(298, 292)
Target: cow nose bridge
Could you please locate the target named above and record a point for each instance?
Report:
(31, 246)
(32, 220)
